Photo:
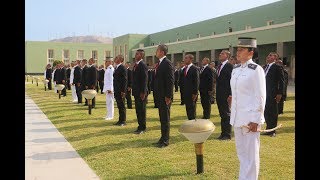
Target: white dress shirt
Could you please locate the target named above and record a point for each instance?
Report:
(269, 65)
(222, 65)
(188, 67)
(160, 60)
(248, 89)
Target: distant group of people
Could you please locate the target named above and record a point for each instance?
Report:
(246, 93)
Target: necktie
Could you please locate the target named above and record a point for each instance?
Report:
(265, 69)
(185, 71)
(202, 69)
(219, 67)
(156, 67)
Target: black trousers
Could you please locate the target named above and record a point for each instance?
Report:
(155, 100)
(164, 114)
(101, 84)
(97, 87)
(271, 113)
(206, 104)
(129, 100)
(68, 84)
(281, 105)
(224, 112)
(190, 107)
(141, 112)
(176, 87)
(50, 85)
(122, 108)
(79, 95)
(182, 95)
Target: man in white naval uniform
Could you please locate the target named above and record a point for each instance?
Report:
(108, 88)
(73, 87)
(248, 89)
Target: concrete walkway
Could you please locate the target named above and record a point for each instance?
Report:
(48, 155)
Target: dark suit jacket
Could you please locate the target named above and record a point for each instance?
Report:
(68, 72)
(91, 77)
(191, 81)
(83, 76)
(56, 74)
(274, 81)
(49, 73)
(120, 81)
(129, 76)
(140, 79)
(163, 81)
(151, 79)
(223, 89)
(206, 80)
(176, 76)
(101, 75)
(181, 77)
(63, 74)
(77, 75)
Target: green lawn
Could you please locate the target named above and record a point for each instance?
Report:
(114, 152)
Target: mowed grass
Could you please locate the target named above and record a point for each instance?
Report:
(114, 152)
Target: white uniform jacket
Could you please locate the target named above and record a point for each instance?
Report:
(108, 79)
(248, 89)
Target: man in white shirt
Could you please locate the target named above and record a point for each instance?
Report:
(73, 87)
(108, 88)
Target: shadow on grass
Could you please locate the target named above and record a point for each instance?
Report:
(286, 129)
(290, 98)
(164, 176)
(286, 118)
(285, 112)
(136, 143)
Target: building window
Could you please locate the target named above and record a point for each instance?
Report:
(80, 54)
(230, 29)
(50, 56)
(248, 27)
(107, 54)
(269, 23)
(94, 55)
(66, 56)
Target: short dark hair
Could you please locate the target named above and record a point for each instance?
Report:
(141, 51)
(163, 48)
(120, 57)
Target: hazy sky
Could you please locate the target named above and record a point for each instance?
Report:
(51, 19)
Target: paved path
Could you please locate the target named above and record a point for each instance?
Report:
(48, 155)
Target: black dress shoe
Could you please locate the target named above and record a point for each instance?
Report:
(138, 132)
(273, 134)
(162, 145)
(225, 138)
(121, 124)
